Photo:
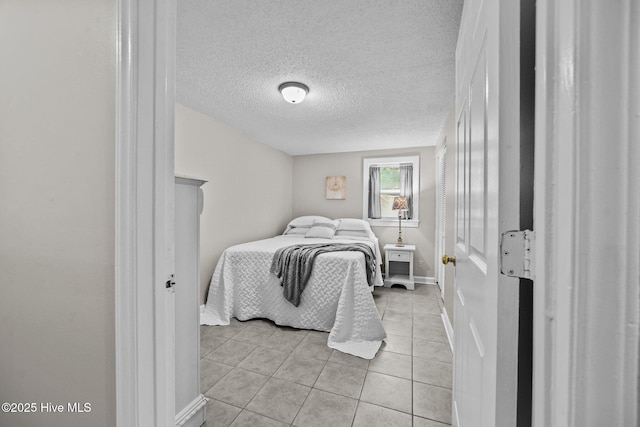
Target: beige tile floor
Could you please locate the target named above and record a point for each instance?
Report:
(257, 374)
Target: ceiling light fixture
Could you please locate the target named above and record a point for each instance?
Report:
(293, 92)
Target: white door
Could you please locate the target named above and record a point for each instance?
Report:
(487, 196)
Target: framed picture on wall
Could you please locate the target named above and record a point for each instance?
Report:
(336, 187)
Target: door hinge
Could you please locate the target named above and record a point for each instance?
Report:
(517, 254)
(170, 283)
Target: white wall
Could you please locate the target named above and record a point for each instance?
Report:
(248, 196)
(57, 133)
(310, 172)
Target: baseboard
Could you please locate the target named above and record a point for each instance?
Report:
(448, 328)
(193, 415)
(423, 280)
(456, 417)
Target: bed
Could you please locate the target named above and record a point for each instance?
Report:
(337, 298)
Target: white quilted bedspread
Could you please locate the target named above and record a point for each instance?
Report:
(337, 298)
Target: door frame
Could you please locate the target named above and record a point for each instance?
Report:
(144, 204)
(146, 52)
(586, 210)
(441, 214)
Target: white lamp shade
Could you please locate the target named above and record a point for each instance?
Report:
(293, 92)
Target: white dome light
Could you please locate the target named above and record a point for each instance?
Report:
(293, 92)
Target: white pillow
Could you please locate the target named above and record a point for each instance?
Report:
(353, 233)
(323, 229)
(354, 224)
(296, 231)
(353, 227)
(307, 221)
(302, 224)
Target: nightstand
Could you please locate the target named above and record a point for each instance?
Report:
(398, 265)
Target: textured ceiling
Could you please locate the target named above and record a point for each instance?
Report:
(380, 73)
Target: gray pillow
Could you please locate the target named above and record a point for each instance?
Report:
(302, 224)
(323, 229)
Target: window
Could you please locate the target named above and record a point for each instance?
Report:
(386, 178)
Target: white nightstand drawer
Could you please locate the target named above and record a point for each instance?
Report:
(399, 256)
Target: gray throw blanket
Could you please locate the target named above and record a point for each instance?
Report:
(293, 265)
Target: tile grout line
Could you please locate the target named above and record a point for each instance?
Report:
(271, 376)
(310, 388)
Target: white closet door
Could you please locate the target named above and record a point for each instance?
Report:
(189, 402)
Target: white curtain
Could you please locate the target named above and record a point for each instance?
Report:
(406, 188)
(374, 192)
